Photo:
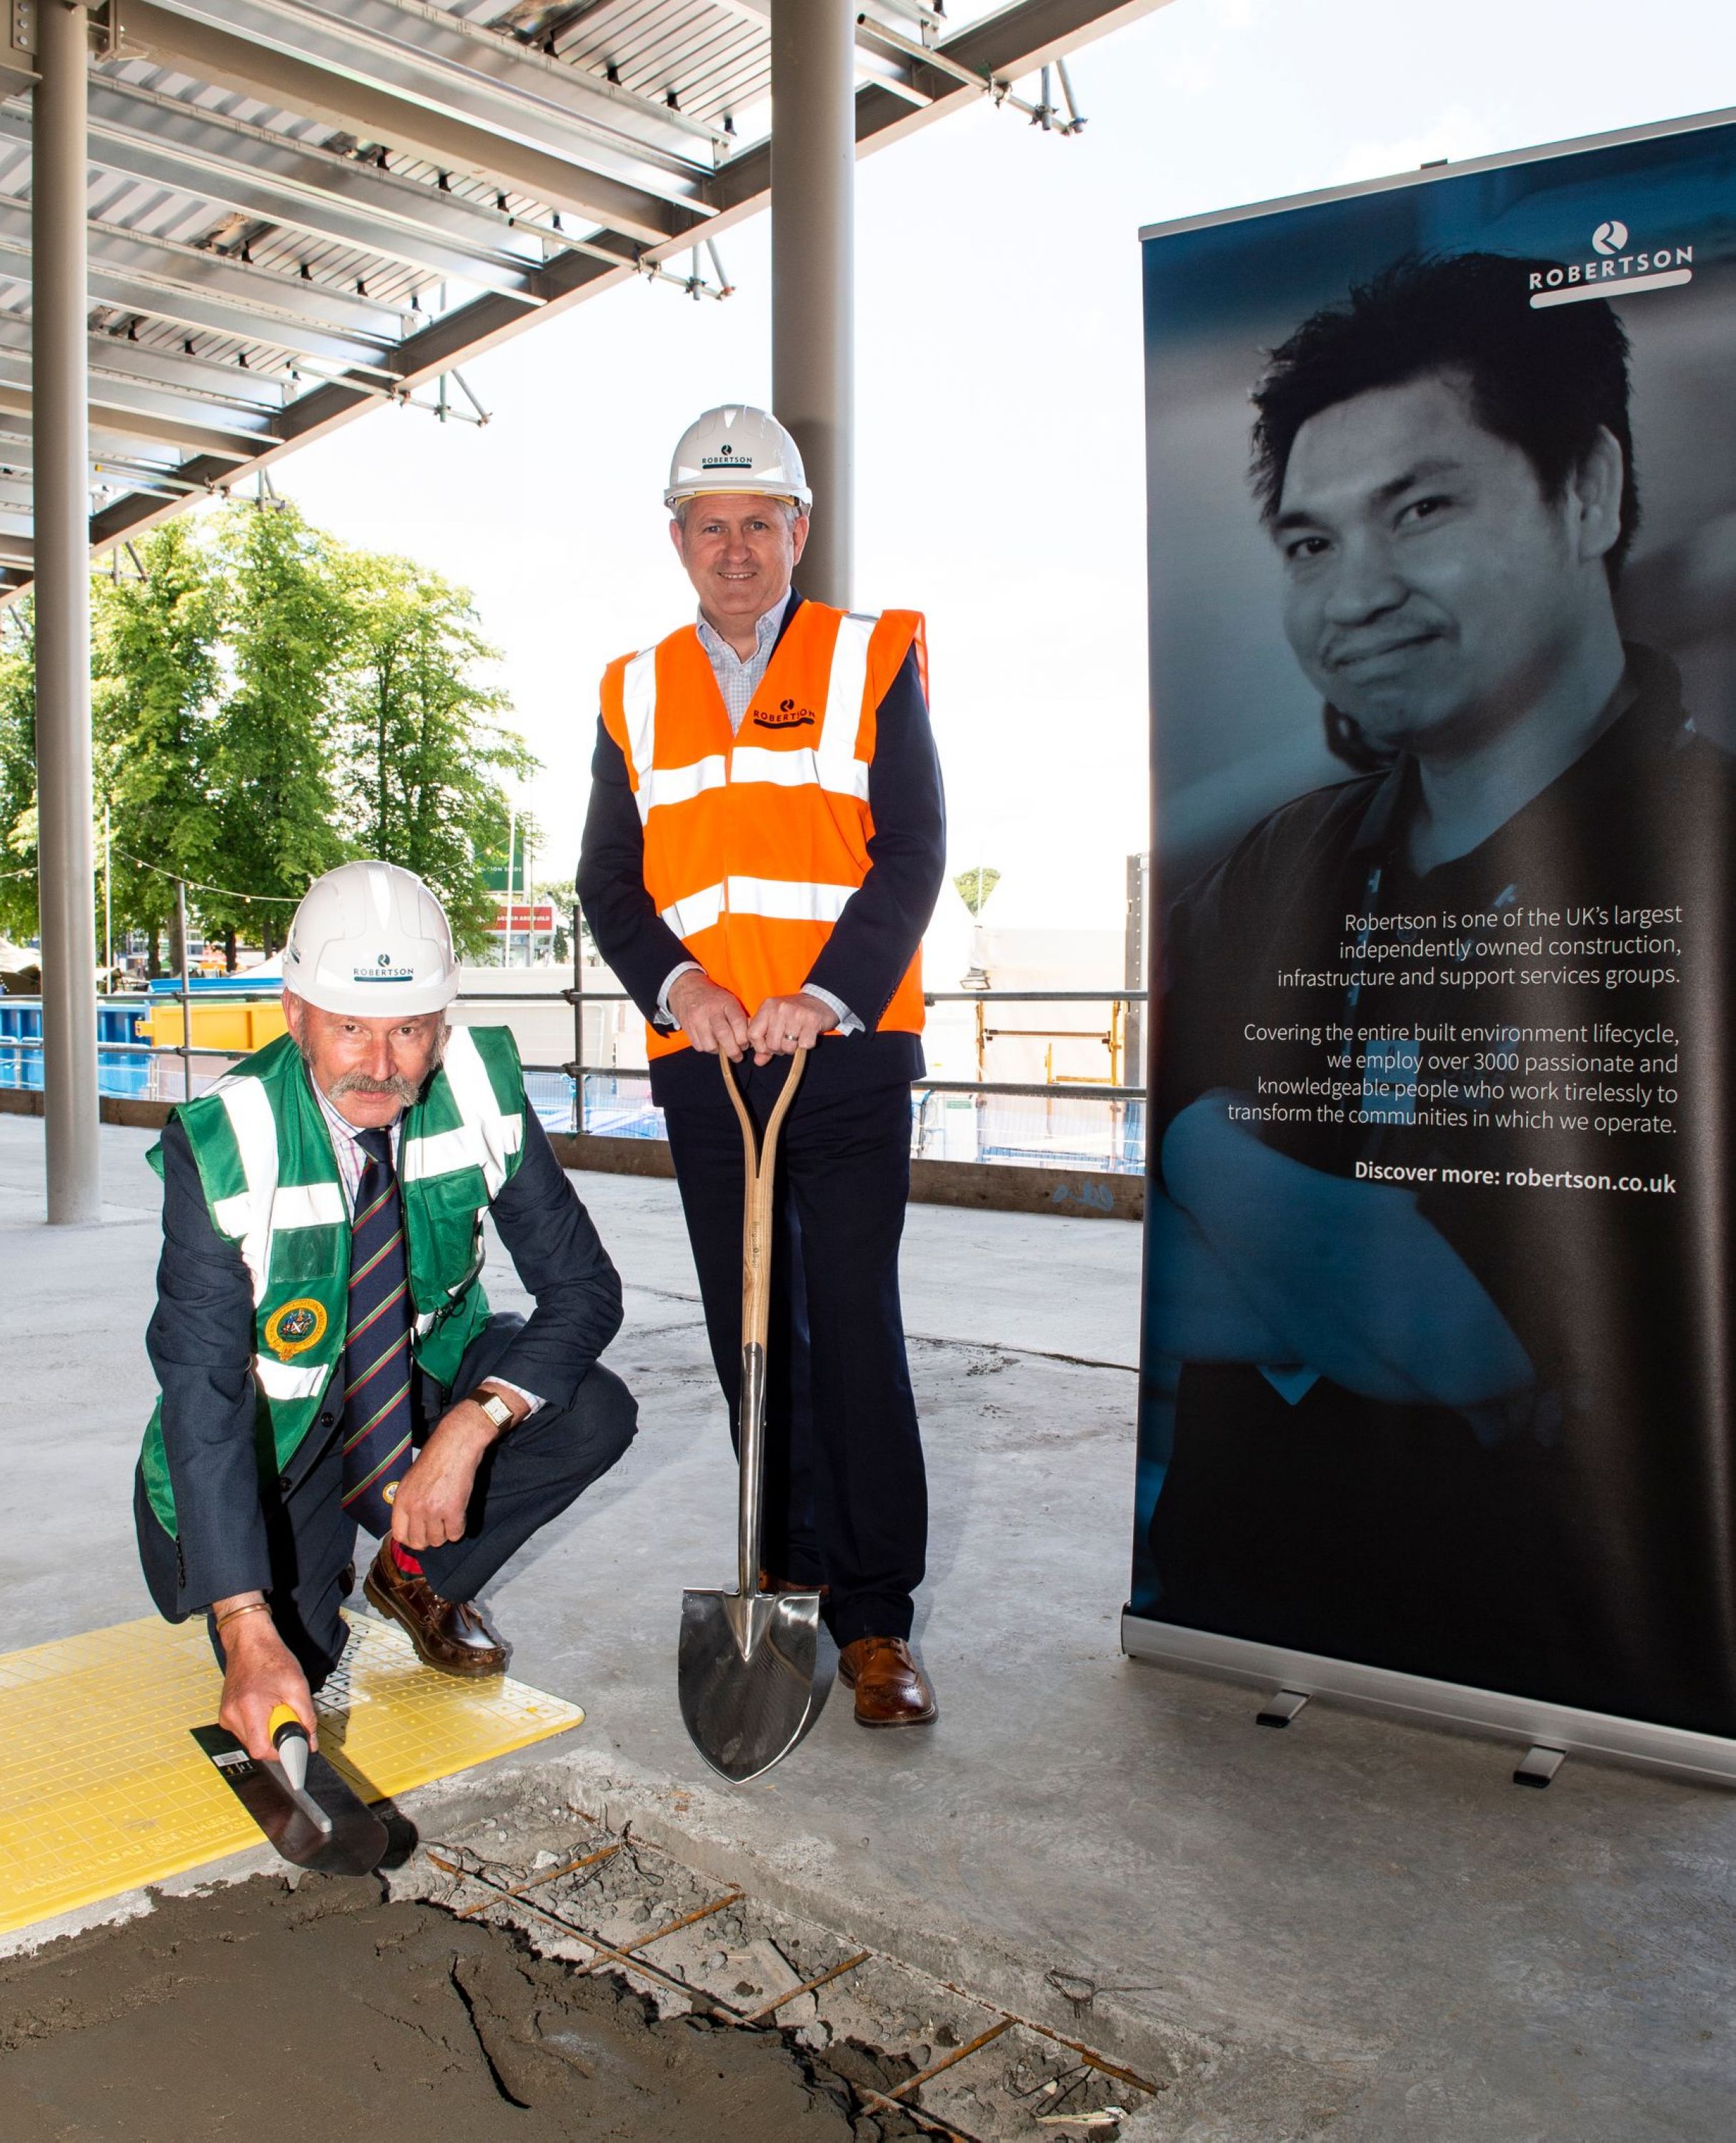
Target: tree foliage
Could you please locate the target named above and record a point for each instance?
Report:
(975, 885)
(17, 771)
(424, 754)
(266, 703)
(154, 655)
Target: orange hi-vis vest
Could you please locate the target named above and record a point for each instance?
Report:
(754, 842)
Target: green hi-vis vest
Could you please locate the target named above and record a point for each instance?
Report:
(265, 1155)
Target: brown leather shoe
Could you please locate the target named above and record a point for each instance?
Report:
(451, 1634)
(890, 1689)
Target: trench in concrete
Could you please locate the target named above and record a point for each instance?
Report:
(532, 1974)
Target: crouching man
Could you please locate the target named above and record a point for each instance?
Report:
(325, 1353)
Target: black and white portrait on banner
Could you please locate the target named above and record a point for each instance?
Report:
(1438, 1373)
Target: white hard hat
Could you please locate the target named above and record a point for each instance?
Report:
(737, 449)
(369, 940)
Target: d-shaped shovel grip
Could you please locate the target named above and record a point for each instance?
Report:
(760, 1170)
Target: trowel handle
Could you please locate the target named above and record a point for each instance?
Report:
(759, 1170)
(289, 1737)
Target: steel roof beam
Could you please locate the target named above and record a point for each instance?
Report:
(1002, 47)
(216, 144)
(439, 55)
(183, 34)
(202, 270)
(136, 293)
(190, 426)
(122, 418)
(320, 217)
(258, 394)
(144, 158)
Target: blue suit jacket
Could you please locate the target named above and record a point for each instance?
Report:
(201, 1341)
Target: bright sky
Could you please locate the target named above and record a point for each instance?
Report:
(1000, 456)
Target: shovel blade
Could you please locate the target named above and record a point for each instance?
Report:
(749, 1677)
(351, 1840)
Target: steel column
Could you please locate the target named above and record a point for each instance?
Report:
(813, 180)
(65, 861)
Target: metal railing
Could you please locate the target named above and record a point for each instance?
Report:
(591, 1099)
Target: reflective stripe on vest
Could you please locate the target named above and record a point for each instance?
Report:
(831, 765)
(486, 1138)
(790, 900)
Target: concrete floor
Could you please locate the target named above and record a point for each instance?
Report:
(1352, 1930)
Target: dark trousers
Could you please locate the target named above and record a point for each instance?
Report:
(527, 1478)
(846, 1496)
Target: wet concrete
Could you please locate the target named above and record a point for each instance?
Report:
(322, 2011)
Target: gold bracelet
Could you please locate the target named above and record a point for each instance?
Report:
(248, 1607)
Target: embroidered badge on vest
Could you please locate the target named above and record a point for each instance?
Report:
(297, 1326)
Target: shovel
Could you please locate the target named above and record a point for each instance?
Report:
(749, 1659)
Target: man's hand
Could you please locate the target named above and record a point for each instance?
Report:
(259, 1673)
(433, 1503)
(783, 1025)
(713, 1019)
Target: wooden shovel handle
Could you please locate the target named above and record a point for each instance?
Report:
(759, 1163)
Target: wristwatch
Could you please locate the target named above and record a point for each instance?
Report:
(493, 1405)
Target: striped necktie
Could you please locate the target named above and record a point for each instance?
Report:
(377, 1354)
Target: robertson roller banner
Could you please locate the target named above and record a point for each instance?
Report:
(1438, 1350)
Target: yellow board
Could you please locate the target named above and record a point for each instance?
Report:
(243, 1024)
(102, 1788)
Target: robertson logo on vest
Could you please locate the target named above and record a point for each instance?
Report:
(789, 716)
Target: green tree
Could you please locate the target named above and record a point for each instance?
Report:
(423, 754)
(273, 785)
(17, 770)
(155, 644)
(974, 886)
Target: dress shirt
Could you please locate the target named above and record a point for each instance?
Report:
(738, 681)
(352, 1161)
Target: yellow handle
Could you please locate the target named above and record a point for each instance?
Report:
(283, 1720)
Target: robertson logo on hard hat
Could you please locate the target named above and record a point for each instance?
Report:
(382, 971)
(727, 458)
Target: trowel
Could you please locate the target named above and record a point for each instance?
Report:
(304, 1808)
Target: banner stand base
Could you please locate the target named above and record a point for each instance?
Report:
(1548, 1732)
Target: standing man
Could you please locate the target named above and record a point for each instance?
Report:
(325, 1352)
(765, 846)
